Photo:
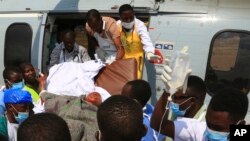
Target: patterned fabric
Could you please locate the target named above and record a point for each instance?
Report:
(79, 54)
(79, 115)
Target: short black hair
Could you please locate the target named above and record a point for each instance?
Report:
(43, 127)
(140, 90)
(67, 30)
(230, 100)
(197, 84)
(125, 7)
(10, 70)
(93, 14)
(23, 65)
(120, 118)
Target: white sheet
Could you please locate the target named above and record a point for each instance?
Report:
(75, 79)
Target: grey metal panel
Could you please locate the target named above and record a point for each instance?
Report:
(6, 20)
(190, 6)
(70, 5)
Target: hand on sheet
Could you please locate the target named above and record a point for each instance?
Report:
(109, 61)
(151, 57)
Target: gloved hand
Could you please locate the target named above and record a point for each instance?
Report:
(109, 61)
(173, 83)
(166, 75)
(151, 57)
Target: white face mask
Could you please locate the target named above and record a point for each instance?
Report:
(128, 25)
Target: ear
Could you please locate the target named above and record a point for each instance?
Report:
(98, 135)
(241, 122)
(9, 107)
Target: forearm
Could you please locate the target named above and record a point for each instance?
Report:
(159, 111)
(167, 126)
(120, 49)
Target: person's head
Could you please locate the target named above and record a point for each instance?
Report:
(139, 90)
(18, 104)
(192, 100)
(44, 127)
(120, 118)
(12, 77)
(227, 106)
(127, 16)
(95, 21)
(68, 39)
(29, 74)
(94, 98)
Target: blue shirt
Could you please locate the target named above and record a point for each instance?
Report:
(2, 105)
(151, 135)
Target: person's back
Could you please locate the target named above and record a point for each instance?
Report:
(120, 119)
(44, 127)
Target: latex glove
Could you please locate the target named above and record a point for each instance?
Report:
(173, 85)
(109, 61)
(151, 57)
(166, 77)
(184, 86)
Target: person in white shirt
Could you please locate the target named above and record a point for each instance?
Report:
(228, 106)
(191, 103)
(68, 50)
(135, 37)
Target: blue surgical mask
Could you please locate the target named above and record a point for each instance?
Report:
(21, 116)
(176, 108)
(18, 85)
(212, 135)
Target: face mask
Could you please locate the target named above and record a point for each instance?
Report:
(18, 85)
(212, 135)
(21, 116)
(176, 108)
(128, 25)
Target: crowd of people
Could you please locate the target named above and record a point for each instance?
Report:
(182, 116)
